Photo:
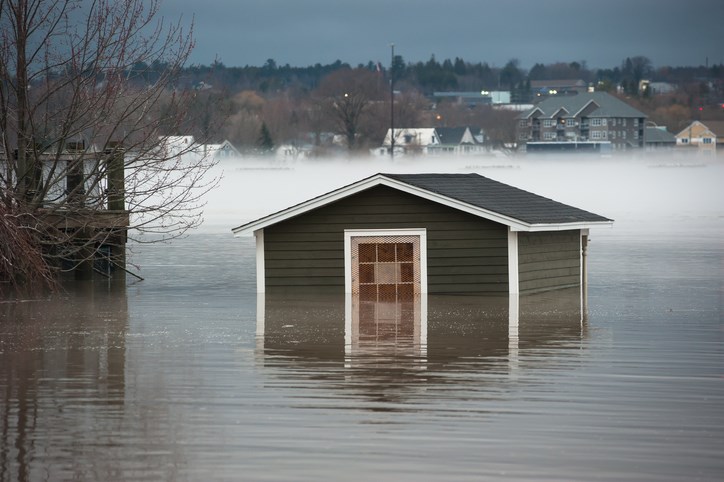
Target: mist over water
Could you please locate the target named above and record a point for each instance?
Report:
(656, 190)
(183, 378)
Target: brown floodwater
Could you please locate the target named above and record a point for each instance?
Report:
(188, 375)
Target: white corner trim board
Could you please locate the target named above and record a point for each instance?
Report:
(260, 266)
(513, 270)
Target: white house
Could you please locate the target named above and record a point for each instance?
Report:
(433, 141)
(180, 145)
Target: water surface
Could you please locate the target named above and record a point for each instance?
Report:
(175, 378)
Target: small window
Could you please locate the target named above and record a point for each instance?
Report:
(547, 122)
(707, 140)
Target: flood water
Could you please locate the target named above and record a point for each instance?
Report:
(188, 375)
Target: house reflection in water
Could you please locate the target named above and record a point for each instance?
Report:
(63, 373)
(397, 339)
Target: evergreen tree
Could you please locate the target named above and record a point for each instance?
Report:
(265, 140)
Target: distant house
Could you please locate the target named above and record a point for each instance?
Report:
(483, 97)
(544, 88)
(434, 141)
(391, 236)
(221, 151)
(703, 137)
(656, 138)
(586, 117)
(182, 145)
(656, 88)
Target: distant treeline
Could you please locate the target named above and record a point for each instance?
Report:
(433, 75)
(256, 107)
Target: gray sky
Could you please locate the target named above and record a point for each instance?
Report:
(601, 32)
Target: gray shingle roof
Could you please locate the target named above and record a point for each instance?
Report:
(450, 135)
(472, 193)
(655, 134)
(608, 105)
(501, 198)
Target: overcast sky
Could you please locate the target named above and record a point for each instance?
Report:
(601, 32)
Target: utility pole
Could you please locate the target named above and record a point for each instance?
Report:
(392, 102)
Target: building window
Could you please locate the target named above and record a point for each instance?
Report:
(613, 122)
(522, 136)
(623, 134)
(706, 140)
(548, 136)
(636, 134)
(547, 122)
(636, 122)
(596, 122)
(596, 135)
(570, 122)
(613, 134)
(623, 122)
(684, 141)
(523, 123)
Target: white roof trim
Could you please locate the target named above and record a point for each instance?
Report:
(532, 228)
(586, 106)
(555, 113)
(533, 112)
(381, 180)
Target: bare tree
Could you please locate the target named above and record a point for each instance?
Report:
(346, 95)
(82, 162)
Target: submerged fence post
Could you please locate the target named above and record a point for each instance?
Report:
(116, 178)
(115, 169)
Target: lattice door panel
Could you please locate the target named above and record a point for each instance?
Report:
(386, 268)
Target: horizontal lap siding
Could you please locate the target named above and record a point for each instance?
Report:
(550, 260)
(465, 254)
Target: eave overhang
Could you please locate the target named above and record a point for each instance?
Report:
(382, 180)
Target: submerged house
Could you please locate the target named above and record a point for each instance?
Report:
(391, 236)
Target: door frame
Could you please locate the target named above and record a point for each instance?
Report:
(354, 233)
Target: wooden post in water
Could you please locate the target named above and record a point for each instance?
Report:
(115, 158)
(75, 178)
(116, 178)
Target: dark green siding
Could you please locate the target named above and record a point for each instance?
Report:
(465, 254)
(549, 260)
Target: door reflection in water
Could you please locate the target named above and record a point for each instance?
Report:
(416, 333)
